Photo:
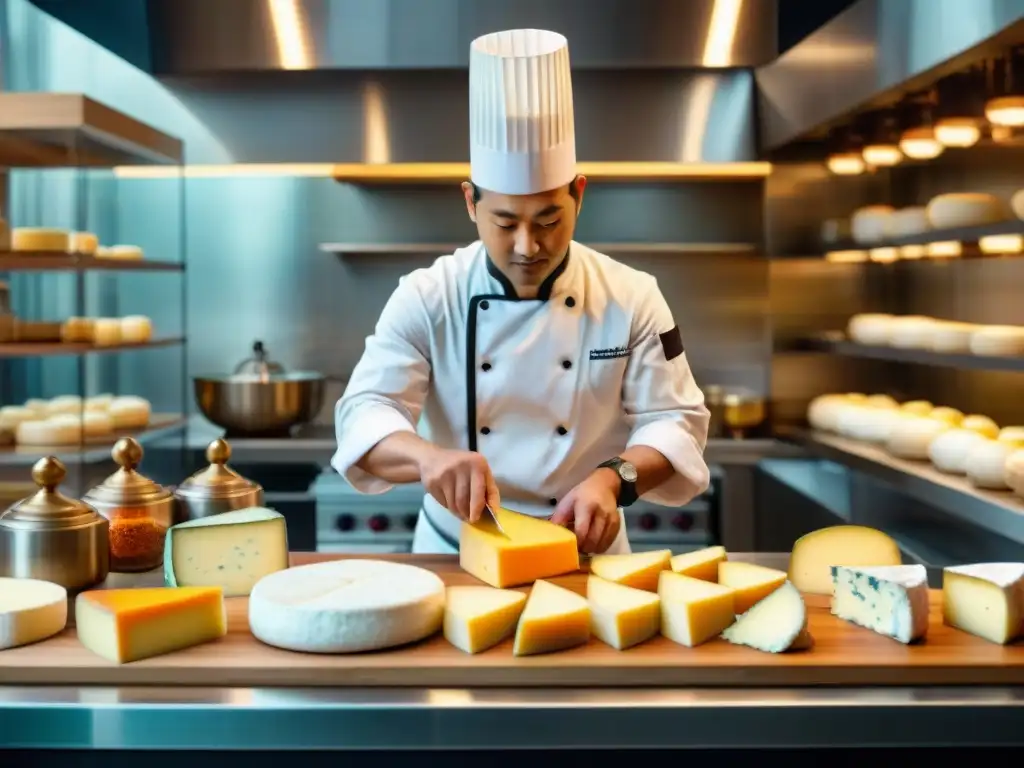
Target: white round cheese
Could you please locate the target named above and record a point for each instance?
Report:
(952, 337)
(345, 606)
(1011, 435)
(136, 329)
(64, 404)
(823, 412)
(1017, 203)
(998, 340)
(867, 225)
(106, 332)
(63, 429)
(873, 329)
(129, 412)
(12, 415)
(99, 403)
(881, 401)
(912, 437)
(986, 464)
(40, 239)
(965, 209)
(948, 452)
(983, 425)
(131, 252)
(950, 416)
(30, 610)
(917, 407)
(872, 425)
(84, 242)
(1013, 472)
(911, 332)
(97, 423)
(907, 222)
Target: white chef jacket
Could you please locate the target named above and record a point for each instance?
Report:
(545, 389)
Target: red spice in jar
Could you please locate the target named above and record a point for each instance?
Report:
(136, 541)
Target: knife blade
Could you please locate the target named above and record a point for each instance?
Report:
(494, 517)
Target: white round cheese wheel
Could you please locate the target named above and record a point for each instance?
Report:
(948, 452)
(64, 404)
(132, 252)
(917, 407)
(881, 401)
(63, 429)
(873, 329)
(84, 242)
(78, 329)
(13, 415)
(951, 416)
(136, 329)
(345, 606)
(129, 412)
(871, 425)
(835, 230)
(965, 209)
(106, 331)
(907, 222)
(983, 425)
(41, 407)
(952, 337)
(823, 412)
(99, 403)
(867, 225)
(998, 340)
(856, 397)
(986, 464)
(30, 610)
(40, 239)
(1013, 472)
(1011, 435)
(1017, 203)
(912, 437)
(97, 423)
(911, 332)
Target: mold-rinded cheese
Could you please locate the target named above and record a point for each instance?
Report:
(814, 554)
(523, 550)
(477, 618)
(124, 625)
(872, 329)
(985, 600)
(346, 606)
(948, 452)
(985, 464)
(912, 437)
(554, 619)
(30, 610)
(750, 583)
(232, 550)
(40, 239)
(998, 340)
(701, 564)
(965, 209)
(693, 610)
(776, 624)
(63, 429)
(639, 569)
(622, 616)
(890, 600)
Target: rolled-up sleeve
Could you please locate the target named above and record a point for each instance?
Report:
(388, 386)
(664, 406)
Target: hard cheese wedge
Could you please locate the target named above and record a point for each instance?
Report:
(702, 564)
(890, 600)
(554, 619)
(524, 550)
(124, 625)
(776, 624)
(232, 550)
(622, 616)
(985, 599)
(810, 565)
(477, 618)
(30, 610)
(750, 583)
(639, 570)
(693, 610)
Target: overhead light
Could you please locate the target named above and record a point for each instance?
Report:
(846, 164)
(961, 107)
(958, 131)
(1006, 107)
(882, 155)
(921, 143)
(1005, 110)
(997, 244)
(947, 249)
(846, 257)
(881, 139)
(885, 255)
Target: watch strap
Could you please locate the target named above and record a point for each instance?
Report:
(627, 488)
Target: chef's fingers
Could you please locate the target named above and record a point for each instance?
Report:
(594, 535)
(583, 518)
(462, 486)
(611, 531)
(492, 494)
(477, 495)
(564, 511)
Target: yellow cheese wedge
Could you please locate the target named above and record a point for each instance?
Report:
(124, 625)
(702, 564)
(750, 583)
(814, 554)
(774, 625)
(985, 599)
(477, 618)
(639, 570)
(622, 616)
(524, 550)
(694, 610)
(554, 619)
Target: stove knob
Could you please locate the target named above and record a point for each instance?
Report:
(683, 522)
(379, 523)
(345, 522)
(410, 522)
(648, 521)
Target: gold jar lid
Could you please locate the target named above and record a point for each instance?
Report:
(217, 481)
(48, 509)
(126, 487)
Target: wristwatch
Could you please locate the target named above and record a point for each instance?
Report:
(627, 475)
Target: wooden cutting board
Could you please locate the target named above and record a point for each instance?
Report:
(843, 655)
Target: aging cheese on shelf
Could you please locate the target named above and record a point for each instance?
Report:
(947, 415)
(232, 550)
(346, 606)
(948, 452)
(639, 569)
(523, 550)
(823, 411)
(106, 331)
(554, 619)
(1013, 472)
(694, 611)
(998, 340)
(917, 407)
(30, 610)
(985, 464)
(868, 224)
(40, 239)
(129, 412)
(815, 553)
(949, 336)
(965, 209)
(872, 329)
(477, 618)
(78, 329)
(701, 564)
(84, 242)
(776, 624)
(881, 401)
(749, 582)
(911, 332)
(985, 599)
(907, 222)
(136, 329)
(890, 600)
(983, 425)
(622, 616)
(912, 437)
(62, 429)
(124, 625)
(872, 425)
(130, 252)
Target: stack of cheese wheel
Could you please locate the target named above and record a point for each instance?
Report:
(965, 209)
(108, 331)
(949, 451)
(868, 224)
(68, 420)
(40, 239)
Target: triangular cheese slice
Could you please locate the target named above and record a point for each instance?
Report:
(985, 599)
(693, 610)
(554, 619)
(523, 550)
(622, 616)
(702, 564)
(890, 600)
(750, 582)
(477, 618)
(639, 570)
(776, 624)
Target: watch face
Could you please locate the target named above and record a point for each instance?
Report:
(627, 472)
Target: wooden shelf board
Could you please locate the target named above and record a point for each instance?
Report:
(963, 361)
(55, 261)
(437, 249)
(49, 349)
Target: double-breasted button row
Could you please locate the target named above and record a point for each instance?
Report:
(560, 429)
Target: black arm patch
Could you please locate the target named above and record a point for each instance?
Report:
(672, 343)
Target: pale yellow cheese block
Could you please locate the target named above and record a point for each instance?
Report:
(622, 616)
(523, 550)
(477, 618)
(694, 611)
(639, 569)
(750, 583)
(554, 619)
(814, 554)
(702, 564)
(985, 600)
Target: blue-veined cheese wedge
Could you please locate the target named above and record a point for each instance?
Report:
(890, 600)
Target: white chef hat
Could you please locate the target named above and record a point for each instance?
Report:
(521, 131)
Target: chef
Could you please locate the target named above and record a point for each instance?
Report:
(524, 370)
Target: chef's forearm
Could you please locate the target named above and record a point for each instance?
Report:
(397, 458)
(652, 468)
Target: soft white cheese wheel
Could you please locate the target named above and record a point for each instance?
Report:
(870, 425)
(983, 425)
(12, 415)
(99, 403)
(1011, 435)
(1006, 340)
(40, 239)
(917, 407)
(131, 252)
(951, 416)
(965, 209)
(856, 397)
(823, 412)
(84, 242)
(136, 329)
(867, 225)
(129, 412)
(948, 452)
(97, 423)
(870, 328)
(1017, 203)
(106, 332)
(907, 222)
(881, 401)
(835, 230)
(1013, 472)
(30, 610)
(346, 606)
(57, 430)
(64, 404)
(911, 332)
(42, 407)
(78, 329)
(912, 437)
(986, 464)
(952, 337)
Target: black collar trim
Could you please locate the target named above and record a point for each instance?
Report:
(545, 289)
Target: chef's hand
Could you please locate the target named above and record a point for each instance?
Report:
(461, 481)
(592, 510)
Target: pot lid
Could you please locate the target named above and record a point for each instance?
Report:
(126, 487)
(258, 366)
(218, 480)
(48, 508)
